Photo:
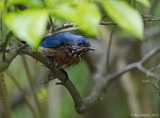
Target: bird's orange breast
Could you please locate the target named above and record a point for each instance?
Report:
(65, 59)
(62, 57)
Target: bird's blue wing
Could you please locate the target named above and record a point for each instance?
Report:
(57, 39)
(51, 42)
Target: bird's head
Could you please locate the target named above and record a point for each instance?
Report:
(78, 43)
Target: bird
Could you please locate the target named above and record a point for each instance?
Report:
(65, 49)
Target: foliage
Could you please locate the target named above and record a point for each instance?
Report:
(84, 14)
(33, 29)
(144, 2)
(30, 24)
(129, 19)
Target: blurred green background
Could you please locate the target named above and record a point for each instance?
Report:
(127, 97)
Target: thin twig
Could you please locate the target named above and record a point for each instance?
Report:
(71, 27)
(65, 26)
(0, 115)
(30, 80)
(155, 68)
(1, 25)
(4, 45)
(109, 47)
(153, 19)
(51, 24)
(5, 64)
(59, 31)
(5, 97)
(11, 55)
(114, 23)
(107, 23)
(23, 93)
(155, 3)
(50, 19)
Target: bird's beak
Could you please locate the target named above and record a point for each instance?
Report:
(88, 48)
(91, 48)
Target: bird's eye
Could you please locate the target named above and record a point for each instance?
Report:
(62, 43)
(79, 44)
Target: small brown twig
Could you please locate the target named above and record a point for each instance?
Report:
(63, 28)
(59, 31)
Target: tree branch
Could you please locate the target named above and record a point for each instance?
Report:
(58, 73)
(81, 105)
(114, 23)
(102, 83)
(63, 28)
(11, 55)
(5, 64)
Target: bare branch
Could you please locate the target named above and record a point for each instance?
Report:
(5, 64)
(107, 23)
(4, 45)
(63, 28)
(153, 19)
(102, 83)
(155, 68)
(11, 55)
(59, 73)
(114, 23)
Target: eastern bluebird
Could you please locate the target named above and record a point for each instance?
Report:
(65, 49)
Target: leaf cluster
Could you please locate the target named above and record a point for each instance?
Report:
(28, 19)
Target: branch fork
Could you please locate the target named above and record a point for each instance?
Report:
(82, 105)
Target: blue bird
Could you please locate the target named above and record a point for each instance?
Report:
(65, 49)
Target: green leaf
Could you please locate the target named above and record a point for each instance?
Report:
(30, 3)
(125, 16)
(28, 25)
(144, 2)
(43, 94)
(53, 3)
(1, 5)
(85, 15)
